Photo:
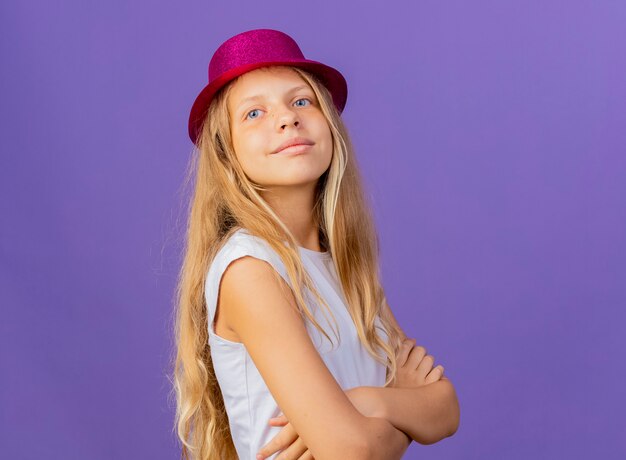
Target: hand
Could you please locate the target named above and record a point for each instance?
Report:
(415, 367)
(287, 441)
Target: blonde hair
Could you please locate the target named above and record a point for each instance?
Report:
(224, 199)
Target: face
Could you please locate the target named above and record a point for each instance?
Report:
(267, 107)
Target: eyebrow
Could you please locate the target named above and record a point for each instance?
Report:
(260, 96)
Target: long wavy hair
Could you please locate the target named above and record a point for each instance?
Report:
(224, 199)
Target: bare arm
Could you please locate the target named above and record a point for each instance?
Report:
(386, 442)
(291, 366)
(427, 413)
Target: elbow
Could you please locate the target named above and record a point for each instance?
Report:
(362, 451)
(369, 446)
(356, 450)
(448, 423)
(453, 414)
(375, 442)
(353, 445)
(347, 449)
(456, 420)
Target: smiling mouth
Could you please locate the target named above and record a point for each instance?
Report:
(292, 142)
(294, 149)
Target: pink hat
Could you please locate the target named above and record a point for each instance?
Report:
(259, 48)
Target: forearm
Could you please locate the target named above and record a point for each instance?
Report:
(427, 414)
(385, 442)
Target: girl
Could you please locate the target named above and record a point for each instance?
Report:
(281, 253)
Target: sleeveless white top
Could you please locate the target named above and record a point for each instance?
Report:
(248, 401)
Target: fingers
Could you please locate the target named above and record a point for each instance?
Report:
(416, 356)
(296, 450)
(403, 352)
(282, 440)
(306, 456)
(425, 366)
(415, 366)
(423, 363)
(278, 421)
(434, 375)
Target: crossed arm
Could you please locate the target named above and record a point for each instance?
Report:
(415, 407)
(426, 414)
(253, 314)
(395, 416)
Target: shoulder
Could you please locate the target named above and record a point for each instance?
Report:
(251, 273)
(250, 278)
(241, 244)
(238, 245)
(241, 239)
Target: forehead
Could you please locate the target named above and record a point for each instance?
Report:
(261, 81)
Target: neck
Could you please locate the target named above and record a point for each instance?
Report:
(294, 206)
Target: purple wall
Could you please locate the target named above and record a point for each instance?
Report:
(492, 138)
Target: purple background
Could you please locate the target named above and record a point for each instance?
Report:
(492, 138)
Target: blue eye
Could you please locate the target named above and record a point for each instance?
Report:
(251, 112)
(304, 99)
(255, 110)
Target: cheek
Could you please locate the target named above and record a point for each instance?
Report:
(323, 130)
(327, 137)
(245, 146)
(251, 152)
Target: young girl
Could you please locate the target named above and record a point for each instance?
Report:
(286, 347)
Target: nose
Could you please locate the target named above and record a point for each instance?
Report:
(288, 117)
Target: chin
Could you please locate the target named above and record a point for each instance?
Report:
(300, 179)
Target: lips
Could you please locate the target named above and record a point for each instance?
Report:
(294, 141)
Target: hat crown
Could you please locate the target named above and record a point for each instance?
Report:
(251, 47)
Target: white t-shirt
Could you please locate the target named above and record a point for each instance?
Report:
(249, 403)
